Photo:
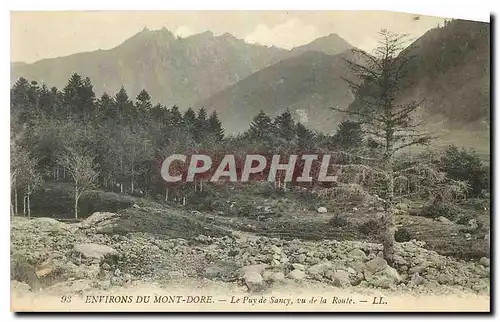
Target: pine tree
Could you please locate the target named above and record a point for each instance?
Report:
(285, 126)
(305, 137)
(143, 106)
(175, 116)
(349, 135)
(124, 106)
(201, 127)
(261, 126)
(215, 126)
(189, 119)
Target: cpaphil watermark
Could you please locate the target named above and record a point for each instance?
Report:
(251, 167)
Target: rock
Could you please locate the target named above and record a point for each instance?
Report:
(468, 236)
(45, 268)
(357, 253)
(341, 278)
(472, 224)
(432, 284)
(416, 269)
(94, 250)
(117, 272)
(484, 261)
(319, 269)
(384, 278)
(445, 220)
(299, 266)
(258, 268)
(19, 287)
(297, 274)
(275, 249)
(98, 217)
(224, 270)
(136, 206)
(301, 258)
(253, 280)
(322, 210)
(416, 280)
(376, 264)
(277, 277)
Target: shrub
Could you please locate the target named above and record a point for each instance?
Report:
(438, 209)
(402, 235)
(465, 218)
(371, 227)
(460, 164)
(338, 221)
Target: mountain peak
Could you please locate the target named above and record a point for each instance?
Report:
(331, 44)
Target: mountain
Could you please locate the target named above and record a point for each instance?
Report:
(332, 44)
(450, 70)
(173, 70)
(308, 85)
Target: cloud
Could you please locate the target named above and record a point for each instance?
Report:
(287, 35)
(183, 31)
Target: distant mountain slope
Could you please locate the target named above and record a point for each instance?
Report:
(451, 71)
(332, 44)
(308, 85)
(173, 70)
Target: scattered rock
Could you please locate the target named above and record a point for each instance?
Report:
(322, 210)
(299, 266)
(341, 278)
(445, 220)
(94, 250)
(484, 261)
(297, 274)
(253, 280)
(357, 253)
(472, 224)
(376, 264)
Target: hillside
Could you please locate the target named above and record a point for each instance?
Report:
(451, 70)
(174, 70)
(307, 85)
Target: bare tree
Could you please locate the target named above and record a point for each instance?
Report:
(384, 117)
(83, 172)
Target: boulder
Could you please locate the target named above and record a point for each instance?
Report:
(299, 266)
(357, 253)
(94, 250)
(322, 210)
(319, 269)
(484, 261)
(472, 224)
(417, 269)
(341, 278)
(224, 270)
(376, 264)
(297, 274)
(384, 278)
(301, 258)
(445, 220)
(253, 280)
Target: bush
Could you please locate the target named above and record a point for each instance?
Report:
(338, 221)
(371, 227)
(402, 235)
(460, 164)
(437, 209)
(465, 218)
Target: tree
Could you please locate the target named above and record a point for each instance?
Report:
(215, 126)
(261, 127)
(201, 126)
(305, 137)
(285, 126)
(124, 106)
(189, 119)
(349, 135)
(83, 172)
(384, 118)
(175, 115)
(143, 105)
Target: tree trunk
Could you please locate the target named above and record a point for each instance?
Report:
(15, 201)
(132, 185)
(121, 187)
(166, 194)
(183, 201)
(201, 186)
(388, 218)
(24, 205)
(29, 207)
(76, 203)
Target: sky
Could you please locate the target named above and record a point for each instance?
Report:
(48, 34)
